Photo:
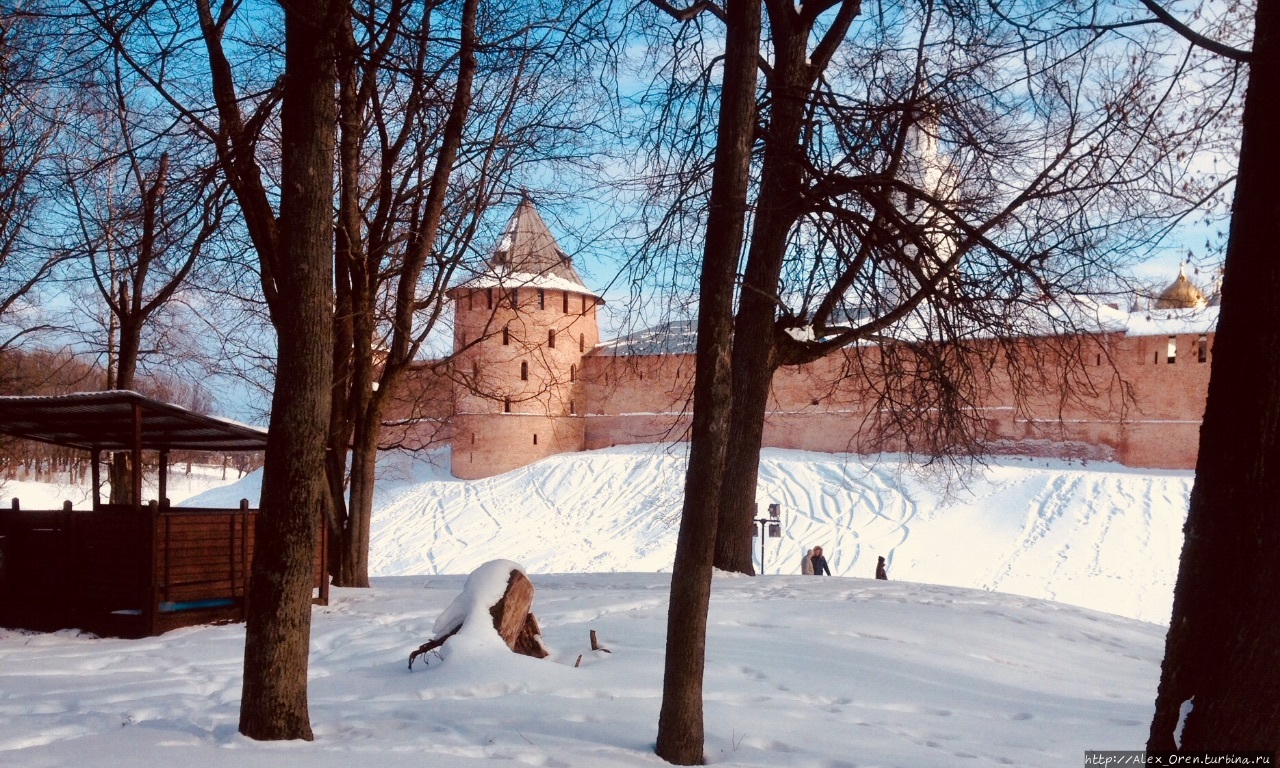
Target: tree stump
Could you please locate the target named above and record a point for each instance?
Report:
(513, 620)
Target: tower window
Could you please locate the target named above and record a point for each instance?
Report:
(582, 342)
(542, 299)
(535, 438)
(524, 370)
(488, 297)
(506, 336)
(551, 338)
(475, 370)
(471, 299)
(573, 373)
(1173, 350)
(1202, 349)
(473, 438)
(515, 298)
(573, 408)
(566, 302)
(506, 405)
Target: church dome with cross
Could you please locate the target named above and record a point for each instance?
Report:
(1181, 294)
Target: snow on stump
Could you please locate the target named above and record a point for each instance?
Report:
(501, 589)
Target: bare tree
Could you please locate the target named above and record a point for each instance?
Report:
(419, 168)
(940, 183)
(680, 722)
(286, 210)
(924, 184)
(29, 131)
(139, 223)
(1220, 670)
(297, 255)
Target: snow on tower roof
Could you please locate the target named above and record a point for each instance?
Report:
(527, 245)
(528, 256)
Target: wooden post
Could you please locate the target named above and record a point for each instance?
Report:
(97, 479)
(136, 453)
(244, 557)
(168, 541)
(164, 476)
(231, 551)
(70, 582)
(153, 602)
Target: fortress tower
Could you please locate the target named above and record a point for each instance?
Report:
(521, 330)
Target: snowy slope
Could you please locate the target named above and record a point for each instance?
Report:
(812, 673)
(1101, 536)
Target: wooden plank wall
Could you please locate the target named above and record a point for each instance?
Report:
(203, 554)
(94, 569)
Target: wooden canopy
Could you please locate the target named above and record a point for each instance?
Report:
(120, 421)
(128, 569)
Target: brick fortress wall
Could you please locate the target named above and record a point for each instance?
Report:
(1130, 401)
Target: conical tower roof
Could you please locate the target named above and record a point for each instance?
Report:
(527, 246)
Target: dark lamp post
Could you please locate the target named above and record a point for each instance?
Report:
(774, 529)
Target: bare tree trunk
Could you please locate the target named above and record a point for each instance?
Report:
(364, 403)
(1222, 653)
(364, 458)
(681, 734)
(753, 351)
(273, 704)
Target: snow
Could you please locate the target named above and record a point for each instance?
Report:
(1098, 535)
(801, 671)
(526, 280)
(181, 487)
(1184, 711)
(483, 589)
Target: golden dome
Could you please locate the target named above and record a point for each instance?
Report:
(1182, 294)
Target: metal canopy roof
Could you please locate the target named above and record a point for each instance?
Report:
(105, 421)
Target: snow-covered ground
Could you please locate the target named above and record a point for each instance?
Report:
(821, 673)
(1102, 536)
(922, 670)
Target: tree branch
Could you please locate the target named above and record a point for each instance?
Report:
(1195, 38)
(690, 12)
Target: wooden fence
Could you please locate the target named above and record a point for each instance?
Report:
(115, 572)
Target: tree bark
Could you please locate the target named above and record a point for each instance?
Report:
(680, 723)
(1223, 647)
(753, 350)
(273, 703)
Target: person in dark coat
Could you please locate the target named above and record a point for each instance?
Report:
(819, 563)
(880, 572)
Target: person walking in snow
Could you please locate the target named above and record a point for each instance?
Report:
(880, 571)
(819, 563)
(806, 563)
